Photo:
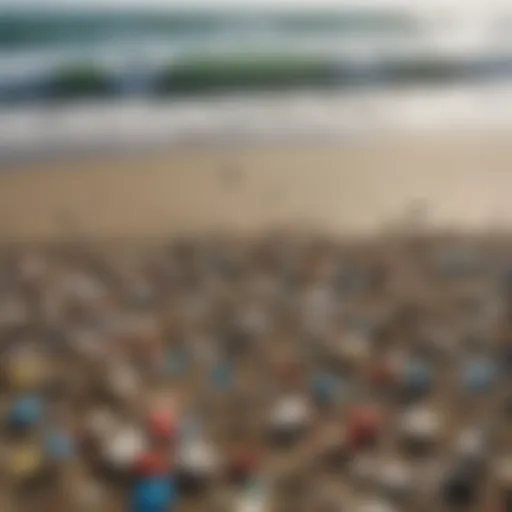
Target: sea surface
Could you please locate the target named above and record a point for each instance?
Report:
(132, 47)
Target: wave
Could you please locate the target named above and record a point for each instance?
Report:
(65, 56)
(205, 73)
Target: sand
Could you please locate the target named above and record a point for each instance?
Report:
(344, 186)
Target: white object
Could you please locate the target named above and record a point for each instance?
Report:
(197, 457)
(124, 448)
(421, 423)
(290, 412)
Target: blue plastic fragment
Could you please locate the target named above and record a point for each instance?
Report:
(418, 376)
(60, 445)
(26, 412)
(154, 495)
(479, 375)
(222, 375)
(325, 388)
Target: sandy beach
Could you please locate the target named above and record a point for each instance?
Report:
(341, 187)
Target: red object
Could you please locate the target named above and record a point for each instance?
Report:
(364, 427)
(380, 374)
(162, 424)
(152, 464)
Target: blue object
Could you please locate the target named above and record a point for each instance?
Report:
(154, 495)
(418, 377)
(222, 376)
(60, 445)
(26, 412)
(479, 375)
(325, 388)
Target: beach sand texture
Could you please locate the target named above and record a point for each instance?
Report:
(349, 186)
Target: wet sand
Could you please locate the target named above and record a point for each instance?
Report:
(345, 186)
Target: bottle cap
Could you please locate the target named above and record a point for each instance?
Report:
(26, 412)
(124, 448)
(198, 458)
(154, 494)
(421, 423)
(60, 445)
(290, 412)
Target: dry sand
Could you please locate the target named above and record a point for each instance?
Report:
(340, 187)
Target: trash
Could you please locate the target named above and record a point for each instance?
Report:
(222, 376)
(60, 445)
(123, 448)
(365, 424)
(289, 419)
(26, 412)
(162, 424)
(156, 494)
(196, 464)
(420, 427)
(219, 372)
(326, 388)
(417, 378)
(479, 375)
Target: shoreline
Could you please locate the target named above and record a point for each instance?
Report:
(352, 188)
(43, 132)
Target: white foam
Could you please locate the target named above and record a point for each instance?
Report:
(127, 125)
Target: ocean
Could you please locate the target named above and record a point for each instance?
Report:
(55, 55)
(94, 80)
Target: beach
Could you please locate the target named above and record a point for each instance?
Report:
(338, 186)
